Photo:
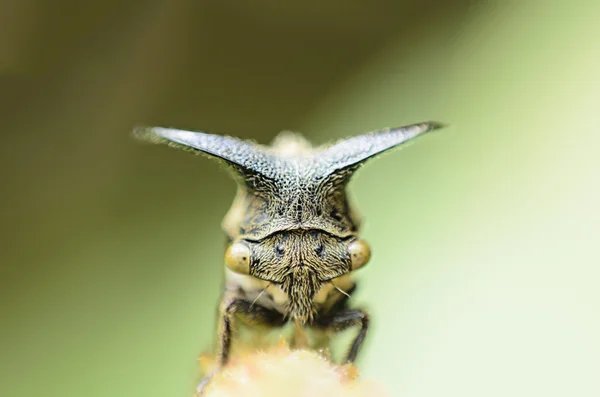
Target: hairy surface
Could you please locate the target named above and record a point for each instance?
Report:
(300, 262)
(290, 185)
(291, 208)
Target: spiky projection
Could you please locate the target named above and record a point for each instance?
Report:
(292, 232)
(290, 185)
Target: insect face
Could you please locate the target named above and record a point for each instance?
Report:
(299, 262)
(293, 231)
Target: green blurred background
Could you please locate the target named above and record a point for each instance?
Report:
(485, 236)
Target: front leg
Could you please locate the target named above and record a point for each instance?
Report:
(252, 314)
(247, 312)
(342, 320)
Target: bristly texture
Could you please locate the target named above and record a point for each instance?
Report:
(285, 192)
(298, 267)
(291, 210)
(281, 372)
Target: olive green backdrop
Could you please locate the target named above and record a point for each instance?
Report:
(485, 236)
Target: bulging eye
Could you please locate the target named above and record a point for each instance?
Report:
(360, 253)
(237, 258)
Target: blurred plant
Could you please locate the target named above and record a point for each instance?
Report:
(281, 371)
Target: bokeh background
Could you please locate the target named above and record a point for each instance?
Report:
(485, 236)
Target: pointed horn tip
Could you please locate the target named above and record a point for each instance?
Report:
(142, 133)
(147, 134)
(435, 125)
(418, 128)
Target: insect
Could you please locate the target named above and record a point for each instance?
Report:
(292, 233)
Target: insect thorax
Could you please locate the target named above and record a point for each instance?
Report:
(296, 203)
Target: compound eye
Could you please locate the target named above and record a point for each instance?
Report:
(360, 253)
(237, 258)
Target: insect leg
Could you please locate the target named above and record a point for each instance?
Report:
(342, 320)
(249, 313)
